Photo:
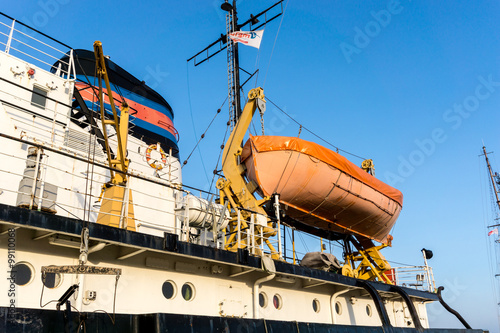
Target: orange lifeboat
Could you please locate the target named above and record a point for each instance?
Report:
(321, 188)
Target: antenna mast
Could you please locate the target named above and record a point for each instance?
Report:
(494, 184)
(233, 62)
(233, 66)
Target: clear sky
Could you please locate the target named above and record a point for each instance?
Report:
(414, 85)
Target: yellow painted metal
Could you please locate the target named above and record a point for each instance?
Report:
(113, 212)
(368, 166)
(120, 123)
(231, 167)
(114, 195)
(367, 263)
(235, 189)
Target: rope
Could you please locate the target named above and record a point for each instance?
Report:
(305, 128)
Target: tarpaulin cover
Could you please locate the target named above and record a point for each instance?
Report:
(276, 143)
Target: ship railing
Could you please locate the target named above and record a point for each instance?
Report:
(47, 181)
(418, 277)
(255, 236)
(35, 47)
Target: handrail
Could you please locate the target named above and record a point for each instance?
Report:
(37, 48)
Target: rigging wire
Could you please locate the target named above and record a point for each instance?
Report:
(203, 136)
(256, 66)
(289, 232)
(87, 210)
(194, 127)
(303, 242)
(218, 159)
(314, 134)
(398, 263)
(92, 167)
(274, 45)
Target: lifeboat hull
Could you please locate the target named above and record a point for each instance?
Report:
(321, 188)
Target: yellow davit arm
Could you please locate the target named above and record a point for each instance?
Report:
(119, 123)
(116, 207)
(232, 169)
(235, 189)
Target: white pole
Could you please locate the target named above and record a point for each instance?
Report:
(278, 224)
(427, 272)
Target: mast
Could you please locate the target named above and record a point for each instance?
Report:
(497, 239)
(233, 61)
(233, 64)
(492, 178)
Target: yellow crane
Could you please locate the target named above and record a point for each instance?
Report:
(114, 212)
(239, 193)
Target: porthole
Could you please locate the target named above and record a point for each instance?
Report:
(52, 280)
(338, 308)
(262, 300)
(188, 291)
(23, 273)
(315, 304)
(277, 302)
(369, 310)
(169, 289)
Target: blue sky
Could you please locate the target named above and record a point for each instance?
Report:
(413, 85)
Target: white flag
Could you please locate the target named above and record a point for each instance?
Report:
(250, 38)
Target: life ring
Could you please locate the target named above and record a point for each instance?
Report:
(152, 162)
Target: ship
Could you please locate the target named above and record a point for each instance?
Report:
(99, 233)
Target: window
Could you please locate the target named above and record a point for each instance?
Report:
(169, 289)
(277, 302)
(22, 273)
(187, 291)
(39, 97)
(338, 308)
(262, 300)
(315, 305)
(369, 310)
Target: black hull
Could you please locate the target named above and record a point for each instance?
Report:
(35, 320)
